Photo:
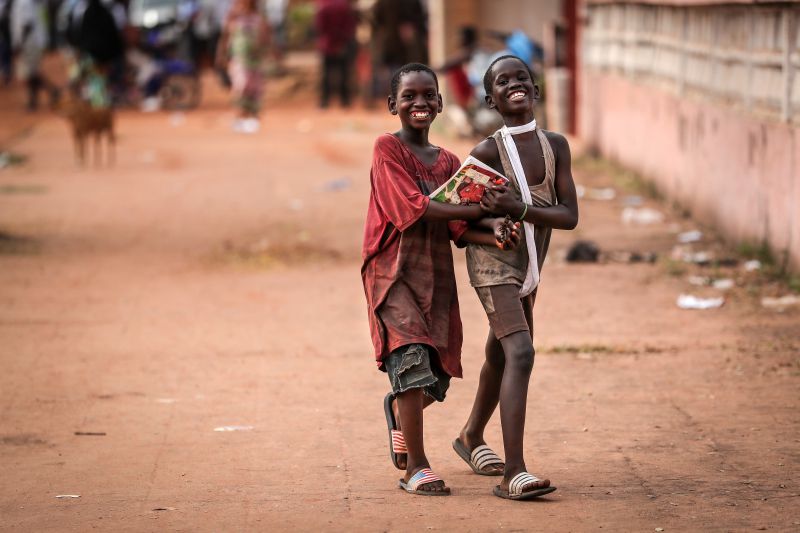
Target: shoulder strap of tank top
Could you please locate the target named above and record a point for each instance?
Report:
(549, 164)
(508, 169)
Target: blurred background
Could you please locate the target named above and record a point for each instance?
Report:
(673, 90)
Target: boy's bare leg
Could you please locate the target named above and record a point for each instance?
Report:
(410, 405)
(426, 401)
(519, 353)
(486, 399)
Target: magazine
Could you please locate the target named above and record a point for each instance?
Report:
(468, 183)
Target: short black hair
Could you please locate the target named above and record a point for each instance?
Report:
(411, 67)
(487, 77)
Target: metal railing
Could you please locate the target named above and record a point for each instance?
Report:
(746, 55)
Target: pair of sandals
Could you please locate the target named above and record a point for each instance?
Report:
(478, 460)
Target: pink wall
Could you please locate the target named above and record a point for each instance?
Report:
(730, 169)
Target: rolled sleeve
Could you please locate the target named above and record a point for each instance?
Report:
(397, 194)
(457, 229)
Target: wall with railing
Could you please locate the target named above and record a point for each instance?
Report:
(704, 100)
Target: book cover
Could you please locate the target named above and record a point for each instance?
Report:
(468, 184)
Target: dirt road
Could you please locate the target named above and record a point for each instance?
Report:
(212, 279)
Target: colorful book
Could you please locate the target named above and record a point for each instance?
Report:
(468, 184)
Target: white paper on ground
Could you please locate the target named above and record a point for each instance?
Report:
(688, 301)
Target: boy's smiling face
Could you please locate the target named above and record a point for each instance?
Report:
(513, 90)
(417, 101)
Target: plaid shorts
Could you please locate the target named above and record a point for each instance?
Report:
(412, 367)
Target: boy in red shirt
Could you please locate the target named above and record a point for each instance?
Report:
(408, 271)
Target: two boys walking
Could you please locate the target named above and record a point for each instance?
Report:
(409, 279)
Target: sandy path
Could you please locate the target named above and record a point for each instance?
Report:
(180, 292)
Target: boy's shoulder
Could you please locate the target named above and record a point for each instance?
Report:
(557, 140)
(486, 151)
(387, 141)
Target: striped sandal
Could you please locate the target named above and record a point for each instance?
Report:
(517, 485)
(397, 443)
(481, 457)
(423, 477)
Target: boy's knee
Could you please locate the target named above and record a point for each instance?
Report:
(521, 358)
(496, 359)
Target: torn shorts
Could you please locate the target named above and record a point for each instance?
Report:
(412, 367)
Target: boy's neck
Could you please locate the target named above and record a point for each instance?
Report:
(518, 120)
(414, 137)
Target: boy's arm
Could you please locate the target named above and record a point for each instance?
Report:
(476, 236)
(502, 201)
(504, 235)
(441, 211)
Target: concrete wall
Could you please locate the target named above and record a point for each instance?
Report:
(705, 101)
(735, 171)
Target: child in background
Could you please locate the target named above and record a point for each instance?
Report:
(244, 40)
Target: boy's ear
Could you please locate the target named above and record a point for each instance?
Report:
(537, 93)
(441, 103)
(489, 101)
(392, 103)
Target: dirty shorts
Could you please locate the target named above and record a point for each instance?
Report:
(412, 367)
(504, 308)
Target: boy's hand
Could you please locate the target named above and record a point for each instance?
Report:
(506, 233)
(500, 200)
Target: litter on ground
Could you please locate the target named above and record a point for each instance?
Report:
(690, 236)
(642, 216)
(604, 194)
(583, 252)
(698, 258)
(688, 301)
(633, 201)
(752, 265)
(234, 428)
(723, 284)
(780, 303)
(337, 185)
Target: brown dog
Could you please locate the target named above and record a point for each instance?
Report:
(86, 121)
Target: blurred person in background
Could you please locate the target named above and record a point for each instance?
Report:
(6, 69)
(118, 66)
(219, 10)
(29, 37)
(205, 30)
(276, 15)
(98, 36)
(244, 41)
(399, 36)
(69, 16)
(100, 52)
(335, 23)
(119, 12)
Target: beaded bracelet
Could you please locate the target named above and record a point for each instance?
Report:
(524, 212)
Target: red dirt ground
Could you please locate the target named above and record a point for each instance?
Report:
(212, 279)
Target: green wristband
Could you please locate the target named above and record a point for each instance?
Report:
(524, 212)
